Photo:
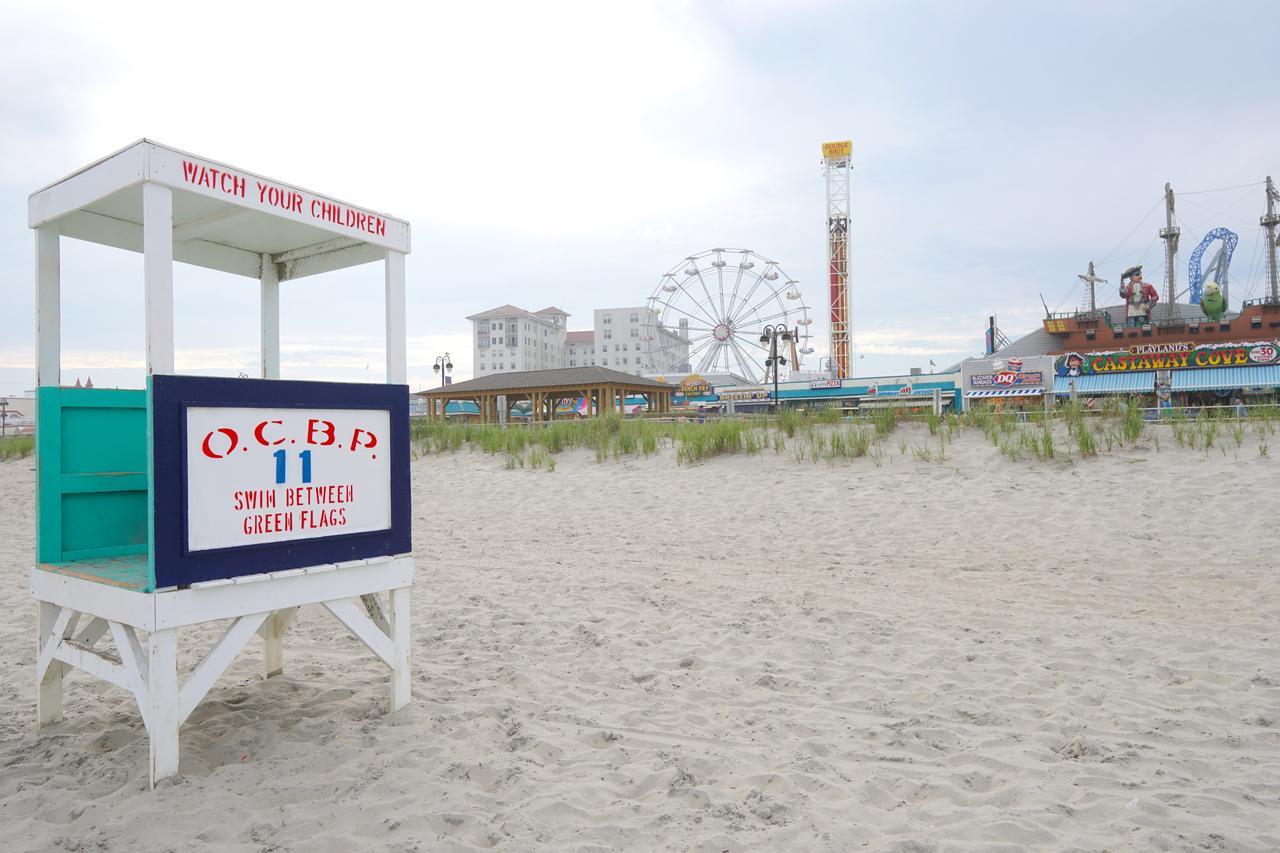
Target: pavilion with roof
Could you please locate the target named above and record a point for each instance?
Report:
(604, 390)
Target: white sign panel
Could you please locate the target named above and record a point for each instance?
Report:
(257, 475)
(215, 180)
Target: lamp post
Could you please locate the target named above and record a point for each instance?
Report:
(771, 335)
(442, 366)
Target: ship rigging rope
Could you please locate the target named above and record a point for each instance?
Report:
(1221, 189)
(1254, 278)
(1132, 231)
(1223, 212)
(1067, 299)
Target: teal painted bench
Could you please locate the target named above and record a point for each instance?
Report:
(91, 456)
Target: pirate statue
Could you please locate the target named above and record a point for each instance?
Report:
(1138, 296)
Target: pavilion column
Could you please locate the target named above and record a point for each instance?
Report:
(48, 307)
(397, 356)
(157, 275)
(269, 318)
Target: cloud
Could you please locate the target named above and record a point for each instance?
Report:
(570, 152)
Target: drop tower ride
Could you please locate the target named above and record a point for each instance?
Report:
(835, 167)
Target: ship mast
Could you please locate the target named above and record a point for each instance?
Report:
(1093, 281)
(1169, 234)
(1269, 222)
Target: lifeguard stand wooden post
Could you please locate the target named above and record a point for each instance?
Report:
(198, 498)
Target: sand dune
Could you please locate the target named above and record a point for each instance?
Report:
(748, 654)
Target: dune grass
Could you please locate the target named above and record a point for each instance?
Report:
(16, 447)
(831, 436)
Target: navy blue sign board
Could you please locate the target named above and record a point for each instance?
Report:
(251, 476)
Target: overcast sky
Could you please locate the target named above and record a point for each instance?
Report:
(570, 153)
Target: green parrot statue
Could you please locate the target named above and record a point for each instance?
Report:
(1212, 303)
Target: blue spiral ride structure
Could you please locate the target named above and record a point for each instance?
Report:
(1217, 269)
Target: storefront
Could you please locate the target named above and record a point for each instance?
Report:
(1178, 374)
(1019, 383)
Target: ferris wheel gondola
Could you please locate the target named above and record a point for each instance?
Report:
(707, 317)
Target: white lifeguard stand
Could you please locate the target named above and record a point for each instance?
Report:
(125, 542)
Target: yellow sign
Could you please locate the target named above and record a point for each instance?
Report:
(694, 386)
(837, 150)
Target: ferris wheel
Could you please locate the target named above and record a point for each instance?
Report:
(708, 312)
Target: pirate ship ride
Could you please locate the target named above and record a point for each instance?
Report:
(1205, 319)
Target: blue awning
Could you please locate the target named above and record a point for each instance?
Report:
(1224, 378)
(1138, 382)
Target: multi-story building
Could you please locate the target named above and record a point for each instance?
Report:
(629, 340)
(633, 341)
(582, 348)
(508, 339)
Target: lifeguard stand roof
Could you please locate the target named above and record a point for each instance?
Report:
(224, 218)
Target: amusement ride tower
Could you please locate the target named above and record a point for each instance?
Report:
(835, 167)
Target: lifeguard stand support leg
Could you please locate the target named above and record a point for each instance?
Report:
(272, 633)
(161, 715)
(400, 687)
(48, 372)
(49, 685)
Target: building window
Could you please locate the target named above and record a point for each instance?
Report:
(608, 334)
(498, 326)
(605, 362)
(483, 327)
(624, 361)
(571, 363)
(635, 332)
(604, 348)
(606, 320)
(635, 318)
(482, 366)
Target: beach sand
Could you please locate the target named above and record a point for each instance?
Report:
(753, 653)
